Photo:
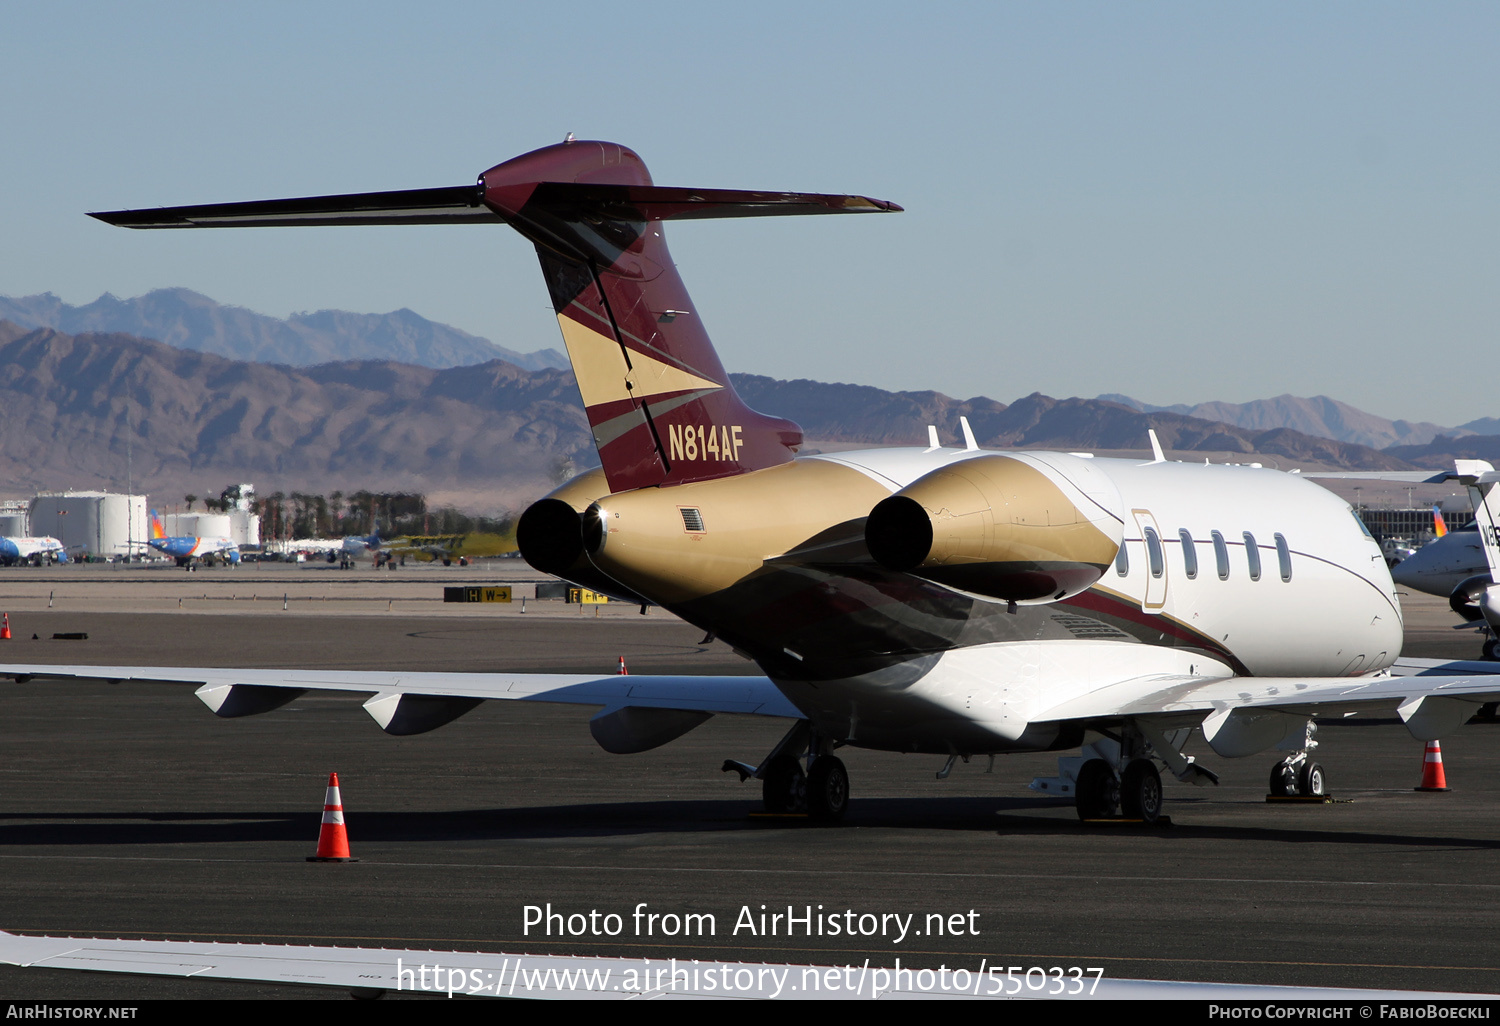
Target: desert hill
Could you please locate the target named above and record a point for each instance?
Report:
(98, 410)
(189, 320)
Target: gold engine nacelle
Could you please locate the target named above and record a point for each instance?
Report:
(998, 526)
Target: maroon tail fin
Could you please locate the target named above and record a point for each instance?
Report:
(658, 400)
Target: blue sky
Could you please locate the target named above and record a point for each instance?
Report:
(1182, 202)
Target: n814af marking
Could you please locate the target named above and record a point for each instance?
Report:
(694, 442)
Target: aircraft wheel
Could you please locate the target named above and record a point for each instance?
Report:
(1098, 794)
(784, 787)
(1283, 780)
(827, 790)
(1140, 791)
(1311, 781)
(1491, 649)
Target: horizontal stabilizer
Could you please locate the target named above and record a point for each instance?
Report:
(463, 204)
(455, 205)
(669, 203)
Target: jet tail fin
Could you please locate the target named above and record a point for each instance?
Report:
(659, 402)
(1481, 478)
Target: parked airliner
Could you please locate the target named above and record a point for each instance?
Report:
(35, 551)
(189, 550)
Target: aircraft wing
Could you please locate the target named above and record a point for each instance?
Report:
(1406, 476)
(1431, 697)
(637, 709)
(368, 971)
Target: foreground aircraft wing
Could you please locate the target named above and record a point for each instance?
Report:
(639, 712)
(370, 971)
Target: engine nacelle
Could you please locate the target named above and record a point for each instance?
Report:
(998, 526)
(1468, 598)
(550, 536)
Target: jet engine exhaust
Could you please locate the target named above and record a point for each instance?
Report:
(550, 537)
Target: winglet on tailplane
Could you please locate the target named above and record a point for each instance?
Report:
(658, 400)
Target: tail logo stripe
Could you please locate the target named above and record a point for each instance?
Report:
(603, 378)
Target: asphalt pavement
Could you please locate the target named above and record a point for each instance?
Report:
(131, 811)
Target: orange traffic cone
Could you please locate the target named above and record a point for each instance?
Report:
(5, 629)
(1432, 769)
(333, 839)
(623, 672)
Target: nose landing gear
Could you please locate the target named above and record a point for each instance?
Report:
(1297, 776)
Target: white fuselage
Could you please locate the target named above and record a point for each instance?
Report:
(18, 550)
(1326, 608)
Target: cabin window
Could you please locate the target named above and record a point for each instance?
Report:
(1284, 557)
(1252, 556)
(1122, 560)
(1153, 552)
(1221, 556)
(1189, 554)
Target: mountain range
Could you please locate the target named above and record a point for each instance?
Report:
(111, 410)
(188, 320)
(107, 411)
(1318, 415)
(173, 392)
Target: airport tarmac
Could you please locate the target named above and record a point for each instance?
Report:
(132, 811)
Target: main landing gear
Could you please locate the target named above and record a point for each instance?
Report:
(1134, 794)
(1115, 776)
(801, 775)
